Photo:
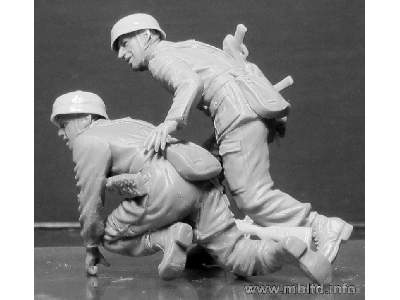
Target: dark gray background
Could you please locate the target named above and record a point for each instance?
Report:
(319, 42)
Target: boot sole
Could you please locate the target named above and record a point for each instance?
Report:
(313, 264)
(344, 235)
(174, 259)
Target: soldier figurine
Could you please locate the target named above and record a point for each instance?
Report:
(169, 201)
(240, 100)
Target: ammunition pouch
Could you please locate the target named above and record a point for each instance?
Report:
(193, 162)
(262, 96)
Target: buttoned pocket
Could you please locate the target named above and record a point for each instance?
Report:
(234, 165)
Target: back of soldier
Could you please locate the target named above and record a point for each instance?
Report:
(125, 138)
(206, 60)
(125, 130)
(168, 196)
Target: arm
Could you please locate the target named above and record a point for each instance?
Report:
(187, 87)
(92, 161)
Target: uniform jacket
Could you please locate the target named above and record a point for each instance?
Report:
(107, 148)
(194, 72)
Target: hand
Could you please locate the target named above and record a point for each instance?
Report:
(93, 258)
(159, 137)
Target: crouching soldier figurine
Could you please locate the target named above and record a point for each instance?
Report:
(163, 195)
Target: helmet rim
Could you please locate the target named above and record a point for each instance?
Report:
(132, 23)
(78, 102)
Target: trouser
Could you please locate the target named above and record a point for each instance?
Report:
(245, 159)
(214, 229)
(242, 138)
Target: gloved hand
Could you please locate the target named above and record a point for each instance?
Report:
(159, 137)
(128, 185)
(93, 258)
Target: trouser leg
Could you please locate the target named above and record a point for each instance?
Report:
(216, 231)
(245, 156)
(173, 241)
(212, 214)
(131, 246)
(246, 257)
(119, 238)
(123, 236)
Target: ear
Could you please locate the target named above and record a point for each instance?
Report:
(89, 119)
(146, 34)
(84, 121)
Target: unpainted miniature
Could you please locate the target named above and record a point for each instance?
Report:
(245, 108)
(170, 200)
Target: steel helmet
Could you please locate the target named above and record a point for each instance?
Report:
(133, 23)
(78, 102)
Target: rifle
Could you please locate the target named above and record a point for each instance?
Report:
(233, 45)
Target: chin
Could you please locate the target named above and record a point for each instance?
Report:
(138, 67)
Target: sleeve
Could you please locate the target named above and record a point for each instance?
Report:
(179, 78)
(92, 159)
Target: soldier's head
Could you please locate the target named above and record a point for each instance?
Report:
(132, 35)
(73, 112)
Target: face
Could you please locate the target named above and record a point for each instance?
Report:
(132, 49)
(71, 126)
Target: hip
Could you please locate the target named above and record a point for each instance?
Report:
(229, 109)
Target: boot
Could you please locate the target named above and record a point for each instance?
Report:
(313, 264)
(173, 242)
(329, 233)
(260, 257)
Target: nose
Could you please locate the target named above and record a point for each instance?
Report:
(61, 133)
(121, 52)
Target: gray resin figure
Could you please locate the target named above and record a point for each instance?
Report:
(241, 101)
(163, 194)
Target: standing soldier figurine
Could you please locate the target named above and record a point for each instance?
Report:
(239, 99)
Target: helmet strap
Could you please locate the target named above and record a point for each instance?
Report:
(81, 123)
(148, 39)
